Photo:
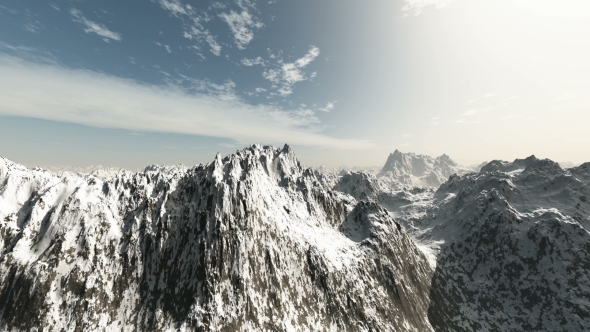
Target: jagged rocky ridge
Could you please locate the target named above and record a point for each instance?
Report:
(252, 241)
(517, 249)
(510, 243)
(256, 242)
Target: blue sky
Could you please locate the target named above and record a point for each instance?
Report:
(344, 82)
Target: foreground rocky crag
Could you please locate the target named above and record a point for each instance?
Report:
(252, 241)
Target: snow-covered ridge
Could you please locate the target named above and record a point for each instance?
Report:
(510, 243)
(517, 234)
(102, 172)
(252, 241)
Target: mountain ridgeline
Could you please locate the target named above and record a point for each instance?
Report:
(256, 242)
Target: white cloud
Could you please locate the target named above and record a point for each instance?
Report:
(55, 93)
(329, 107)
(175, 7)
(164, 46)
(194, 29)
(417, 5)
(214, 47)
(93, 27)
(198, 33)
(241, 26)
(245, 4)
(285, 76)
(253, 62)
(308, 58)
(32, 27)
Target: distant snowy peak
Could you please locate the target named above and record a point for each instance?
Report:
(343, 169)
(102, 172)
(531, 162)
(414, 170)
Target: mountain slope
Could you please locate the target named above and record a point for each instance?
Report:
(516, 250)
(252, 242)
(510, 244)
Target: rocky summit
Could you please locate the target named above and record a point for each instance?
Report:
(249, 242)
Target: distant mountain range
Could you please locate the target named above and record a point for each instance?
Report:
(254, 241)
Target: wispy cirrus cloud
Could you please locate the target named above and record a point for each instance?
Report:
(32, 27)
(329, 107)
(164, 46)
(287, 74)
(175, 7)
(93, 27)
(241, 22)
(193, 27)
(254, 62)
(52, 92)
(242, 26)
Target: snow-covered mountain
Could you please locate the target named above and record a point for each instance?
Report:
(510, 244)
(251, 242)
(343, 169)
(102, 172)
(254, 241)
(514, 248)
(407, 170)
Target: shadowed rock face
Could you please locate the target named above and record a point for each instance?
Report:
(252, 241)
(517, 251)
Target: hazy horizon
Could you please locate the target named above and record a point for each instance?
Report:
(343, 83)
(135, 168)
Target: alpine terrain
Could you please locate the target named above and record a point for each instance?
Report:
(256, 242)
(249, 242)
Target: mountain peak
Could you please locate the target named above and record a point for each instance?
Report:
(414, 170)
(249, 240)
